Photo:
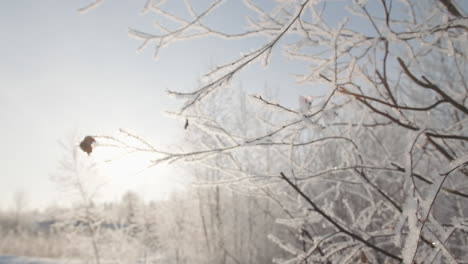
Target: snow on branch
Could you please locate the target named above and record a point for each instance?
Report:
(90, 6)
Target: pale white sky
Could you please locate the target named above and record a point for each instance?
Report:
(63, 73)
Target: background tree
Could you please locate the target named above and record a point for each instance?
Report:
(76, 175)
(20, 204)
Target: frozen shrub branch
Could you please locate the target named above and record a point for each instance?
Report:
(336, 224)
(382, 149)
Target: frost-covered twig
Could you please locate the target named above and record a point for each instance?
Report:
(90, 6)
(336, 224)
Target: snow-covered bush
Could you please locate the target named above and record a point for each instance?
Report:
(370, 167)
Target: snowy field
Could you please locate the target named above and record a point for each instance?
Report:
(24, 260)
(28, 260)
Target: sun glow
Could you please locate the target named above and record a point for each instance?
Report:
(123, 171)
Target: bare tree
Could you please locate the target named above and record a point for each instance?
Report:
(20, 203)
(76, 175)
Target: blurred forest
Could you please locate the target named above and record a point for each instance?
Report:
(219, 226)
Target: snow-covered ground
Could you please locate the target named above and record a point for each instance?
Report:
(27, 260)
(24, 260)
